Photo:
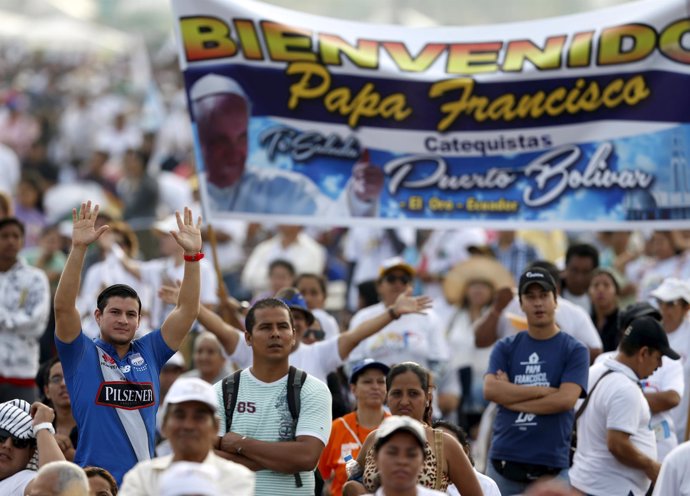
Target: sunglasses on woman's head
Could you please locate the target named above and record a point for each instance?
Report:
(16, 442)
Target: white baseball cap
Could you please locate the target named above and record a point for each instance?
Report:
(395, 423)
(672, 289)
(191, 389)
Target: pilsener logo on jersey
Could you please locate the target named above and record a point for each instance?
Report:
(126, 395)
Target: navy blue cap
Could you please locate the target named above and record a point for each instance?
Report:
(297, 303)
(365, 364)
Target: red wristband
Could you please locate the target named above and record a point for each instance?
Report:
(194, 258)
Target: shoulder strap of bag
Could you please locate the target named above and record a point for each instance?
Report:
(296, 378)
(440, 458)
(581, 410)
(230, 388)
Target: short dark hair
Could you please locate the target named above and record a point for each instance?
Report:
(43, 376)
(250, 319)
(583, 250)
(424, 379)
(12, 221)
(280, 262)
(321, 280)
(116, 290)
(103, 473)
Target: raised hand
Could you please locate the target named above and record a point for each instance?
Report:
(188, 235)
(84, 230)
(41, 413)
(405, 303)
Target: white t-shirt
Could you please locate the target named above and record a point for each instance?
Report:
(262, 413)
(674, 478)
(583, 301)
(616, 404)
(668, 377)
(328, 323)
(489, 487)
(318, 359)
(679, 340)
(569, 317)
(413, 337)
(15, 485)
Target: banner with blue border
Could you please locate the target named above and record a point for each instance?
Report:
(578, 122)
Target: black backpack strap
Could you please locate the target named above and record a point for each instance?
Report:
(296, 378)
(581, 410)
(230, 387)
(295, 381)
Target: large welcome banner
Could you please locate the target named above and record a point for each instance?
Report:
(576, 122)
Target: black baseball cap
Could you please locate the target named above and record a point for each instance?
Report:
(536, 275)
(636, 310)
(647, 331)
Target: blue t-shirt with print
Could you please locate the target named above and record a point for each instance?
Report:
(103, 441)
(526, 437)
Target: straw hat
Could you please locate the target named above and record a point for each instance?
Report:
(475, 268)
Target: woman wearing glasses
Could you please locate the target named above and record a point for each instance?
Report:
(416, 337)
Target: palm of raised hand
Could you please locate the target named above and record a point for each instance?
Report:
(411, 304)
(84, 230)
(188, 235)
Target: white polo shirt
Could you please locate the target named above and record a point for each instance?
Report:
(668, 377)
(617, 404)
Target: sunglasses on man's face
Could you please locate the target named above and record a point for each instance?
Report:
(317, 334)
(673, 303)
(16, 442)
(392, 279)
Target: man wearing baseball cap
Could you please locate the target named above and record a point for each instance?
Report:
(663, 389)
(190, 423)
(673, 299)
(535, 377)
(616, 448)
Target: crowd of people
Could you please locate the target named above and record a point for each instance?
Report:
(309, 361)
